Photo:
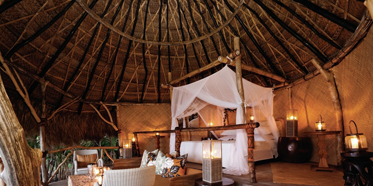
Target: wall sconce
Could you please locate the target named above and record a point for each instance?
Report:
(210, 124)
(251, 118)
(157, 134)
(355, 142)
(320, 125)
(212, 163)
(292, 123)
(127, 148)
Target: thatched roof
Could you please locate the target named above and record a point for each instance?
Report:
(122, 51)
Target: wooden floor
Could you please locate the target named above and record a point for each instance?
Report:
(264, 176)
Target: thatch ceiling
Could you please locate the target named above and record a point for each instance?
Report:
(122, 50)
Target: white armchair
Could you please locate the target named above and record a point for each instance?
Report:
(143, 176)
(81, 160)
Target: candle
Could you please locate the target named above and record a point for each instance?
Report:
(319, 126)
(126, 145)
(211, 124)
(354, 143)
(157, 134)
(133, 139)
(252, 118)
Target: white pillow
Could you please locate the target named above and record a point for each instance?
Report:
(263, 129)
(229, 133)
(228, 138)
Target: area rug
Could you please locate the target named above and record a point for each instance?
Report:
(301, 174)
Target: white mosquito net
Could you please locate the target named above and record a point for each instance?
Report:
(220, 89)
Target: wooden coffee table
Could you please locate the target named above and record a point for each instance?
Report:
(226, 182)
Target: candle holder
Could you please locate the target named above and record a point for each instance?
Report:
(127, 148)
(320, 125)
(292, 123)
(211, 162)
(355, 142)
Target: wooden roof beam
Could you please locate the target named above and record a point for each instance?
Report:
(143, 50)
(308, 25)
(216, 25)
(225, 61)
(299, 65)
(61, 48)
(246, 49)
(183, 38)
(40, 31)
(269, 61)
(8, 4)
(114, 61)
(335, 19)
(312, 48)
(103, 45)
(128, 51)
(159, 50)
(207, 27)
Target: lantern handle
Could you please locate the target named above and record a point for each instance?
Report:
(349, 126)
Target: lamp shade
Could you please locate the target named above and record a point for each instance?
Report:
(211, 162)
(355, 141)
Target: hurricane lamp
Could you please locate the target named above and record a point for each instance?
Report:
(320, 125)
(292, 123)
(127, 148)
(212, 162)
(355, 142)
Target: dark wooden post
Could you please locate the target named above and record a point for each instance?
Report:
(137, 144)
(250, 152)
(177, 140)
(44, 172)
(157, 145)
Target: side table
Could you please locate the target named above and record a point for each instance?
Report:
(323, 154)
(225, 182)
(357, 168)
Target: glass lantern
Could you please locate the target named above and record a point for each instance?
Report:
(292, 123)
(212, 162)
(127, 148)
(320, 125)
(355, 141)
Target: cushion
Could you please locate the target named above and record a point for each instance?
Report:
(144, 160)
(174, 167)
(84, 160)
(161, 159)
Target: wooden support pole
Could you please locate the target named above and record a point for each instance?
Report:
(1, 171)
(242, 105)
(329, 76)
(137, 144)
(22, 164)
(250, 153)
(177, 140)
(44, 173)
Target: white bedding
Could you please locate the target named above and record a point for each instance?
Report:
(262, 151)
